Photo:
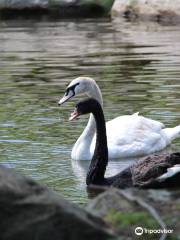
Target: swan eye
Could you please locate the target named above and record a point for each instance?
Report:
(71, 88)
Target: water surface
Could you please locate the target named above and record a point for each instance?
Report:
(137, 66)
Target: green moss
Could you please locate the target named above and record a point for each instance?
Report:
(120, 219)
(173, 238)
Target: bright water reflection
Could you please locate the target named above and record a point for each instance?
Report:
(137, 67)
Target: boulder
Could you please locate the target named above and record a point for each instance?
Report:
(148, 209)
(31, 211)
(17, 4)
(54, 8)
(158, 10)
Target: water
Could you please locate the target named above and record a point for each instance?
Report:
(136, 65)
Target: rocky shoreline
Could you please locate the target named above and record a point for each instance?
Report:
(31, 211)
(148, 10)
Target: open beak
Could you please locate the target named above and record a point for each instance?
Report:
(74, 115)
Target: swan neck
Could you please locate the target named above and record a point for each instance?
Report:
(99, 160)
(95, 92)
(81, 148)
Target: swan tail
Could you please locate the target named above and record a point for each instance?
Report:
(172, 133)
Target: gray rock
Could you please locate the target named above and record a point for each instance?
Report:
(157, 10)
(110, 199)
(131, 208)
(31, 211)
(23, 4)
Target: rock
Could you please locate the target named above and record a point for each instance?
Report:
(110, 199)
(54, 8)
(148, 209)
(158, 10)
(31, 211)
(23, 4)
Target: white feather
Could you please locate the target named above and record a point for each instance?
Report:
(170, 172)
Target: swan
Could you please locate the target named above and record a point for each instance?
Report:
(157, 171)
(128, 136)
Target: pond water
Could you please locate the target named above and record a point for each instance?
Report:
(136, 65)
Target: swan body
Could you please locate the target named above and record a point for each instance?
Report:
(156, 171)
(127, 136)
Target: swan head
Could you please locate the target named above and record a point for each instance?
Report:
(78, 86)
(86, 106)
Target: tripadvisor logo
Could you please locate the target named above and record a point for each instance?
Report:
(139, 231)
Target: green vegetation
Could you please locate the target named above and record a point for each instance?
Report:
(125, 223)
(124, 219)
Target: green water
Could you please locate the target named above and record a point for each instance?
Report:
(137, 66)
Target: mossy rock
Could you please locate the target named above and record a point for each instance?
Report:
(54, 8)
(126, 215)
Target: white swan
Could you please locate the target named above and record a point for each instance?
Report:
(127, 136)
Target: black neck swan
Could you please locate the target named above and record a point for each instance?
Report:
(127, 136)
(158, 171)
